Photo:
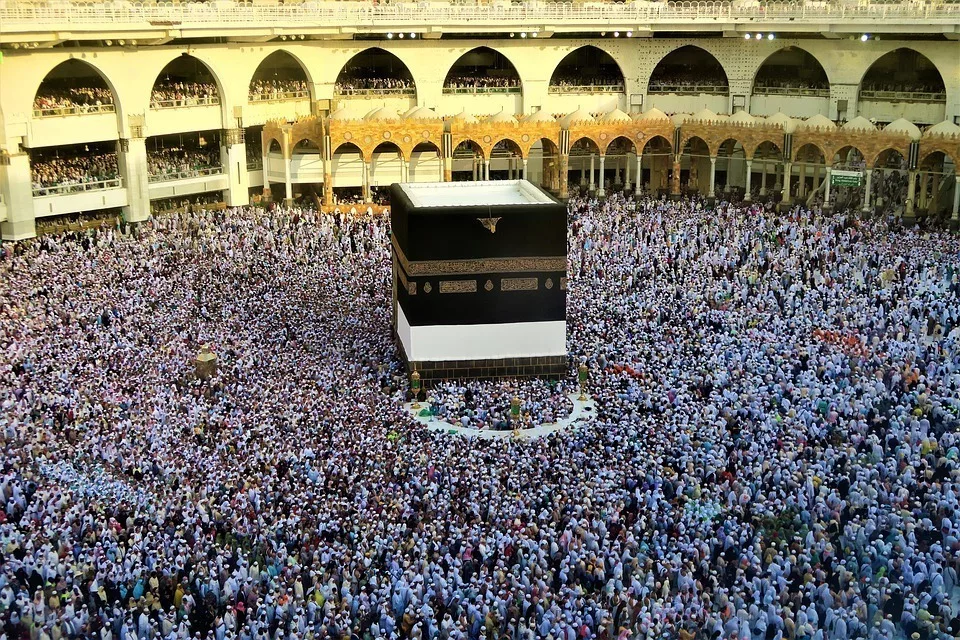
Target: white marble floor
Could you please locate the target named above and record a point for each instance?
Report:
(583, 411)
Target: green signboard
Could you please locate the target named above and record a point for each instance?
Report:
(840, 178)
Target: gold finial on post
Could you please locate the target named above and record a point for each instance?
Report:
(415, 388)
(582, 373)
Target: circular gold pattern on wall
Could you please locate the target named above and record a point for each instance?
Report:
(525, 138)
(427, 288)
(386, 135)
(406, 138)
(603, 136)
(426, 135)
(368, 139)
(487, 139)
(549, 283)
(640, 136)
(489, 285)
(347, 136)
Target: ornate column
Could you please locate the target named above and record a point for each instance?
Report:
(593, 185)
(132, 162)
(826, 191)
(287, 182)
(265, 157)
(675, 179)
(955, 218)
(934, 192)
(327, 172)
(924, 181)
(367, 168)
(486, 169)
(233, 156)
(445, 155)
(763, 178)
(802, 183)
(639, 187)
(564, 175)
(713, 178)
(524, 160)
(626, 174)
(476, 167)
(16, 187)
(785, 193)
(747, 196)
(600, 181)
(867, 186)
(816, 177)
(911, 193)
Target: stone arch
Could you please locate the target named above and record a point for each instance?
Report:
(298, 145)
(629, 141)
(844, 151)
(379, 148)
(725, 150)
(900, 51)
(588, 138)
(350, 147)
(462, 63)
(660, 141)
(675, 58)
(690, 143)
(273, 145)
(402, 73)
(808, 57)
(75, 62)
(521, 151)
(929, 152)
(759, 143)
(885, 154)
(285, 55)
(619, 78)
(802, 145)
(472, 144)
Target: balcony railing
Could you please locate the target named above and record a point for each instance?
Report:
(479, 90)
(901, 96)
(254, 165)
(585, 88)
(690, 89)
(79, 187)
(279, 96)
(183, 103)
(792, 91)
(184, 175)
(366, 15)
(371, 93)
(75, 110)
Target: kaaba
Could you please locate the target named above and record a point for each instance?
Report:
(479, 279)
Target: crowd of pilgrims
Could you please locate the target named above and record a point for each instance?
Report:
(72, 98)
(586, 79)
(480, 81)
(351, 84)
(72, 173)
(167, 93)
(775, 453)
(182, 162)
(277, 88)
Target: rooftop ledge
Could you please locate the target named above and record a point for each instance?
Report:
(336, 19)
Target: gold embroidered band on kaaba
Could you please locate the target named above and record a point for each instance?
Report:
(478, 265)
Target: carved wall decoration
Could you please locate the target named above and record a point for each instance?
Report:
(458, 286)
(518, 284)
